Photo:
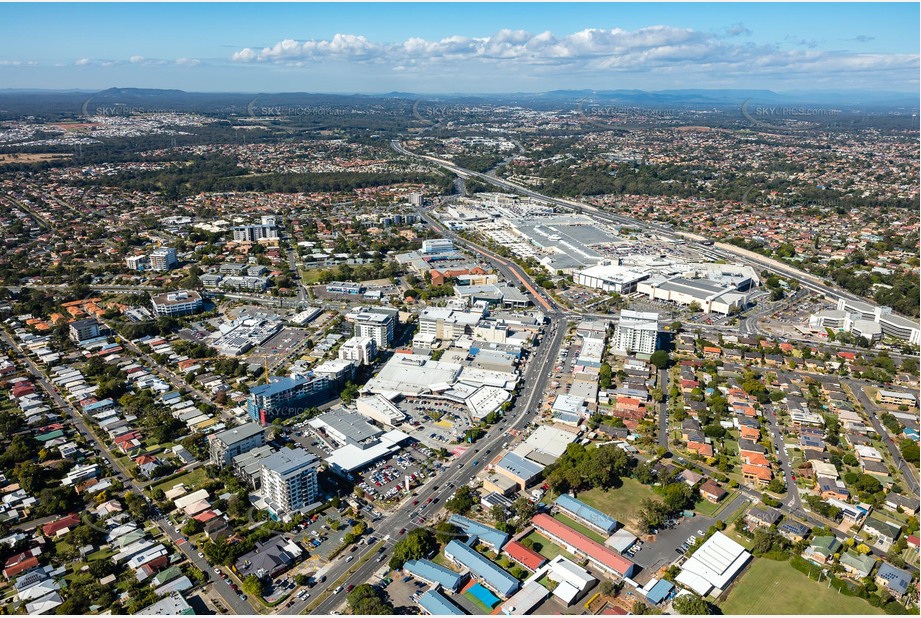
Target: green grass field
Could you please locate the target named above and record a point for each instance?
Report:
(191, 480)
(772, 587)
(579, 527)
(548, 549)
(622, 504)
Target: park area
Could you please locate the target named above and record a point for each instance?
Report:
(623, 503)
(774, 587)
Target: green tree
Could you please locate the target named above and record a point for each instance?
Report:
(691, 605)
(464, 499)
(254, 586)
(365, 599)
(659, 358)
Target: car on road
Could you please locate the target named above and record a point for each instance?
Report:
(415, 502)
(217, 571)
(350, 558)
(201, 555)
(337, 590)
(350, 587)
(402, 531)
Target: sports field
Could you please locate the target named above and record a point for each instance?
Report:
(774, 587)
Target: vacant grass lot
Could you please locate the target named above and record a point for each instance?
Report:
(622, 504)
(773, 587)
(191, 480)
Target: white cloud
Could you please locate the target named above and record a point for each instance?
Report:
(83, 62)
(188, 62)
(137, 59)
(653, 48)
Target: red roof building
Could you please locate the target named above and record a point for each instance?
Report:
(580, 545)
(64, 523)
(20, 563)
(526, 557)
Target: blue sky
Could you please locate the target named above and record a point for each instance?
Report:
(479, 48)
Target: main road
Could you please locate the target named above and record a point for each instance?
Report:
(461, 471)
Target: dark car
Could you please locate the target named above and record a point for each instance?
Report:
(402, 530)
(350, 587)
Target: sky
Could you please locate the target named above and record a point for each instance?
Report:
(460, 48)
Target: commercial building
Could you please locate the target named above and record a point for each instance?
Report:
(226, 445)
(521, 470)
(173, 304)
(345, 287)
(578, 544)
(163, 258)
(714, 565)
(711, 296)
(380, 409)
(82, 330)
(359, 350)
(610, 278)
(447, 324)
(289, 480)
(526, 600)
(484, 569)
(590, 516)
(437, 245)
(375, 323)
(344, 427)
(636, 331)
(572, 580)
(286, 396)
(892, 325)
(268, 559)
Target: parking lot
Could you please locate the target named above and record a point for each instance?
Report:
(385, 481)
(663, 550)
(319, 537)
(436, 422)
(279, 346)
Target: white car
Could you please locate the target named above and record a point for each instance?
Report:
(201, 555)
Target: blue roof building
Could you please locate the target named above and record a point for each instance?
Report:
(660, 591)
(896, 580)
(484, 569)
(286, 396)
(437, 604)
(586, 514)
(488, 536)
(434, 573)
(523, 471)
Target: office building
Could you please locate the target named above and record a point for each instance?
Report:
(163, 258)
(289, 480)
(176, 303)
(637, 332)
(610, 278)
(437, 245)
(228, 444)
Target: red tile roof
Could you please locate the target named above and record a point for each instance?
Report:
(50, 529)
